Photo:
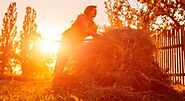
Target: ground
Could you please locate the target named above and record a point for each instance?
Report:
(11, 90)
(36, 90)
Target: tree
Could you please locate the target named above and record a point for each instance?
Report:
(29, 38)
(8, 44)
(113, 12)
(147, 15)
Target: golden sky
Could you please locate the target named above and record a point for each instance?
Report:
(54, 16)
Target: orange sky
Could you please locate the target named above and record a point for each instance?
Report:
(54, 16)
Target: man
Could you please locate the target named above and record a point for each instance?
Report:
(82, 27)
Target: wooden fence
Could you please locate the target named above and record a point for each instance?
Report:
(171, 57)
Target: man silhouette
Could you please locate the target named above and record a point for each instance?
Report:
(82, 27)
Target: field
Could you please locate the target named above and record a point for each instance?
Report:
(124, 69)
(37, 90)
(12, 90)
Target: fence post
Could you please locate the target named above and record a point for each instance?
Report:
(183, 51)
(183, 37)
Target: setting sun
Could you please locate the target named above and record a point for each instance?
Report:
(49, 47)
(50, 37)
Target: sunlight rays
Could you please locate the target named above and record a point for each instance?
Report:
(50, 35)
(49, 47)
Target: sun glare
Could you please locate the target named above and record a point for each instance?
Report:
(51, 34)
(49, 46)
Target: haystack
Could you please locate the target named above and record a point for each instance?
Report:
(115, 67)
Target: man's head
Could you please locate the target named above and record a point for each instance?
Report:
(90, 11)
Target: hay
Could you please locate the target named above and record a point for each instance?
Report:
(115, 67)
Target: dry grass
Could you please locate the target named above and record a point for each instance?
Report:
(180, 88)
(25, 91)
(118, 66)
(39, 91)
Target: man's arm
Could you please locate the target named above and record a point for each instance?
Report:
(84, 25)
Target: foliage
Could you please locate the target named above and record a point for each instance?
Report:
(21, 51)
(149, 14)
(29, 42)
(8, 39)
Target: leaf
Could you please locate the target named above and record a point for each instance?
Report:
(152, 1)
